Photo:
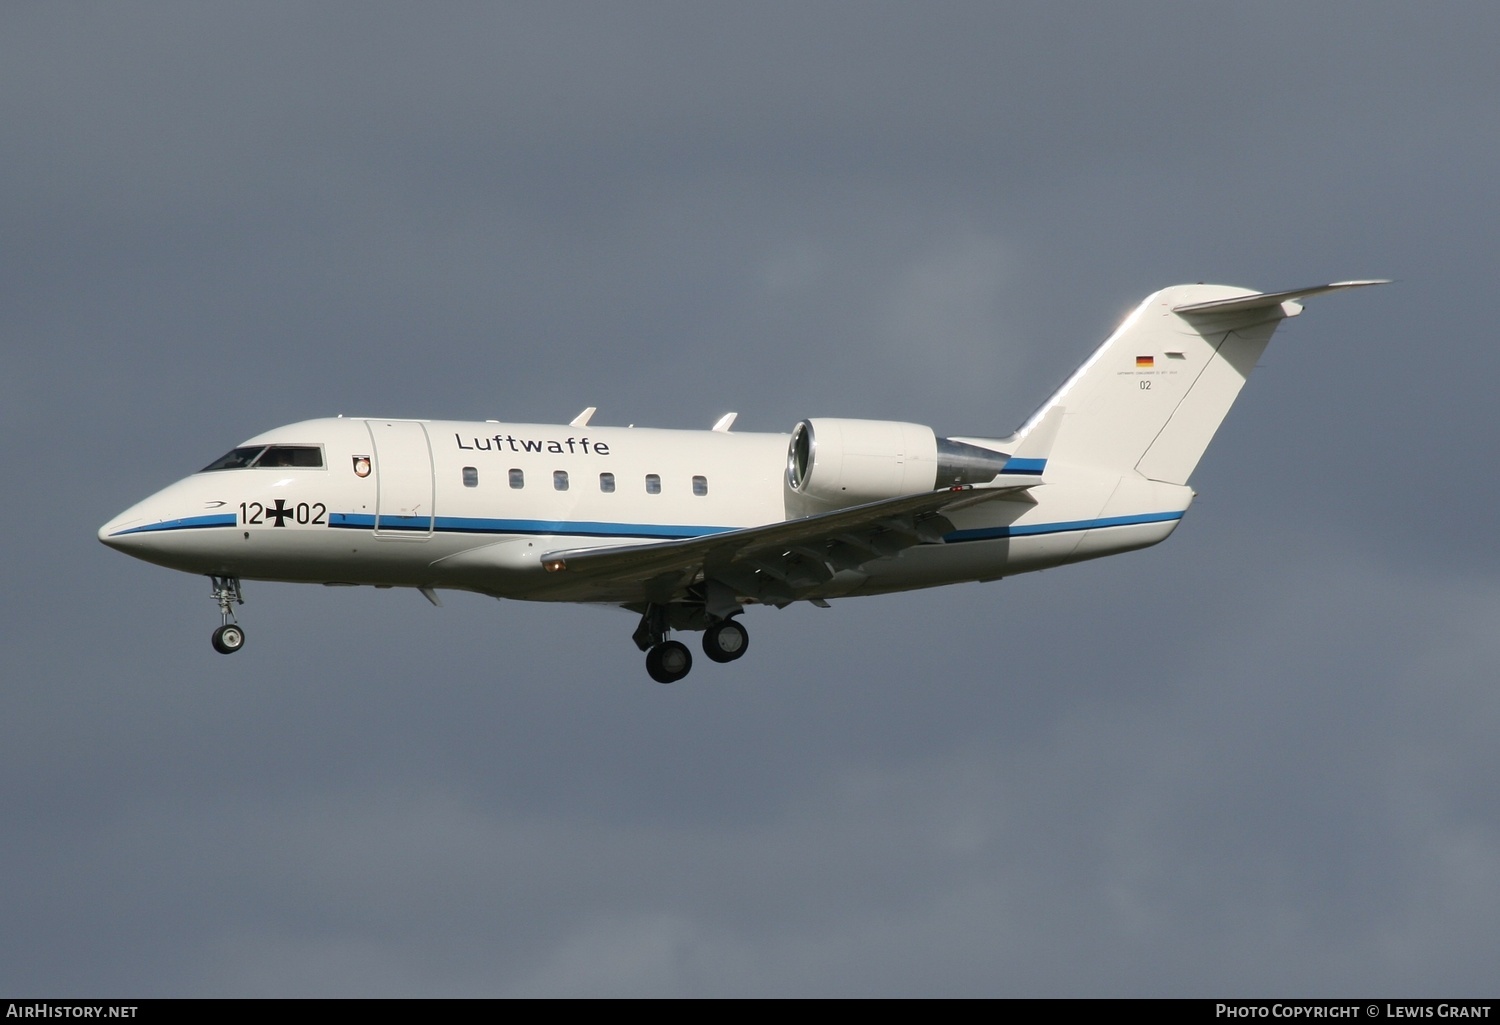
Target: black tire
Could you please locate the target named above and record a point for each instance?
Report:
(725, 641)
(229, 638)
(669, 661)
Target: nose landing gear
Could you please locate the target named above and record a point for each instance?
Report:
(230, 637)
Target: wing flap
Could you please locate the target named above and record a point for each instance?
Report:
(777, 561)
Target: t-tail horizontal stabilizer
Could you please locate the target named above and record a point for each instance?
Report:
(1264, 300)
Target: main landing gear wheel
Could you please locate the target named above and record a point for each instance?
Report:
(725, 641)
(229, 638)
(669, 661)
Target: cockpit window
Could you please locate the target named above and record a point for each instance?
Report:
(237, 459)
(305, 456)
(302, 456)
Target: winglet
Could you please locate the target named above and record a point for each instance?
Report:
(582, 419)
(725, 422)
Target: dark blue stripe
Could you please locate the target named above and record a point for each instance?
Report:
(470, 525)
(661, 532)
(1033, 529)
(1028, 466)
(479, 525)
(185, 523)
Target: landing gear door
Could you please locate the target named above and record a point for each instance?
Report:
(403, 479)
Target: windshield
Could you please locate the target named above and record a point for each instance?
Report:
(303, 456)
(237, 459)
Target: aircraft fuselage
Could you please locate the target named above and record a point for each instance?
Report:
(473, 506)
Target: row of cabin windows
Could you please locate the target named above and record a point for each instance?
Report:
(606, 481)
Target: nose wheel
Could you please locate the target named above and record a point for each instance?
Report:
(230, 637)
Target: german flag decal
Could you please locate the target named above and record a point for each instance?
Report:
(1145, 362)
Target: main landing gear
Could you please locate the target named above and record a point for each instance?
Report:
(668, 661)
(725, 641)
(230, 637)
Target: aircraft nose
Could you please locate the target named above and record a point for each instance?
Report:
(135, 529)
(116, 533)
(173, 527)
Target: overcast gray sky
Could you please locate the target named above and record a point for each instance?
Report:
(1259, 759)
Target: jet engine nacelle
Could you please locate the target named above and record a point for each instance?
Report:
(835, 463)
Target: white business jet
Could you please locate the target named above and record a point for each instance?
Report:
(687, 528)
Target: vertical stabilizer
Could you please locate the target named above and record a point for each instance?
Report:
(1152, 395)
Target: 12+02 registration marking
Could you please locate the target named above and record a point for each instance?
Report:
(303, 513)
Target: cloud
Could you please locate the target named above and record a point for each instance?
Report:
(1256, 759)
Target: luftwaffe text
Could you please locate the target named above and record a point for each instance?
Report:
(511, 443)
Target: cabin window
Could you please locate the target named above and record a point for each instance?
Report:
(607, 483)
(653, 483)
(560, 479)
(471, 477)
(700, 485)
(517, 479)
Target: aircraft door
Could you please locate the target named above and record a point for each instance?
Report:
(403, 479)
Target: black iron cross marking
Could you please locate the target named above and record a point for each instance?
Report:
(280, 513)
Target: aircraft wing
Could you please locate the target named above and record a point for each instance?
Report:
(776, 563)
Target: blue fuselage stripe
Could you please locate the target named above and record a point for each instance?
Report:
(656, 531)
(1033, 529)
(185, 523)
(484, 525)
